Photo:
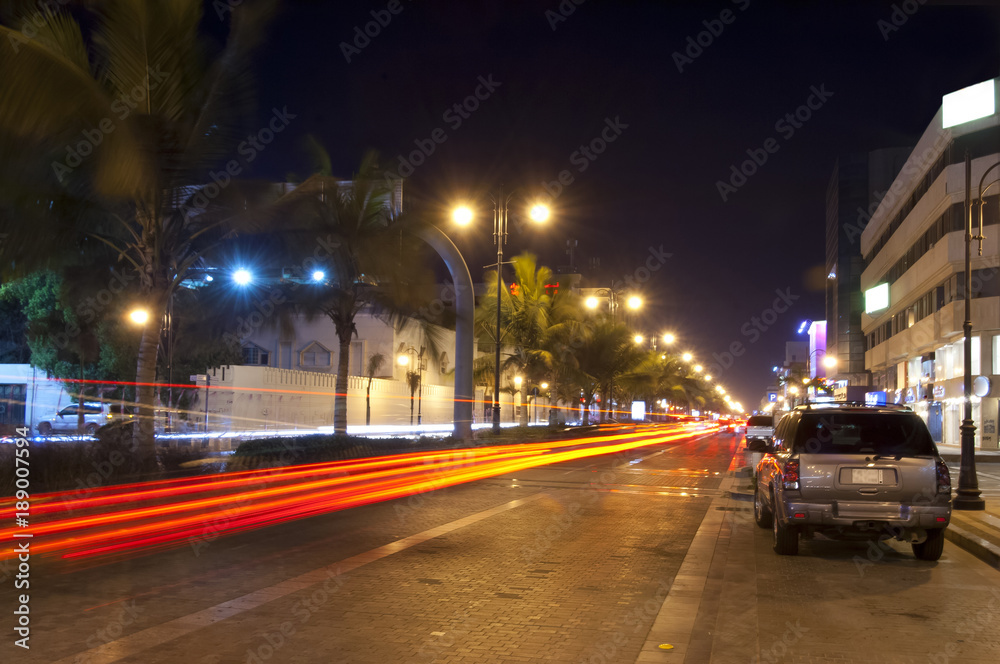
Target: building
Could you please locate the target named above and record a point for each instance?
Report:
(913, 252)
(858, 182)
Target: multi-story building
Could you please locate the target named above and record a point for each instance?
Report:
(858, 183)
(913, 251)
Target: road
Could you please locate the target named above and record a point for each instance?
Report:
(590, 560)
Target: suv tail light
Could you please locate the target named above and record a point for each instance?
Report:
(943, 478)
(790, 475)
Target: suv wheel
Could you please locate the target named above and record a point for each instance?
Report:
(91, 428)
(786, 538)
(44, 428)
(932, 547)
(761, 514)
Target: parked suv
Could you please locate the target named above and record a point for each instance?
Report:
(95, 415)
(848, 471)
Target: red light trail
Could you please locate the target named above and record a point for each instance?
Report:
(167, 513)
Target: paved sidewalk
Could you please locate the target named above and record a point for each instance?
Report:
(978, 532)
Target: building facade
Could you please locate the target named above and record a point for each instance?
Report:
(859, 181)
(913, 252)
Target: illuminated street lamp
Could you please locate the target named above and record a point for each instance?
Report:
(463, 216)
(669, 338)
(687, 357)
(139, 316)
(243, 277)
(637, 338)
(697, 368)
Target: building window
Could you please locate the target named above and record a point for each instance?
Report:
(314, 355)
(996, 353)
(976, 356)
(255, 355)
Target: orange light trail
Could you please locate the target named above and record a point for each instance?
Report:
(167, 513)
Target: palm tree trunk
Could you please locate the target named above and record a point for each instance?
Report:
(340, 398)
(368, 403)
(524, 406)
(143, 440)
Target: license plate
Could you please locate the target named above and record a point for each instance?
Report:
(866, 475)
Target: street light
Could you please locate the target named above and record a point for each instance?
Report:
(687, 357)
(463, 215)
(637, 338)
(139, 316)
(968, 496)
(669, 338)
(243, 276)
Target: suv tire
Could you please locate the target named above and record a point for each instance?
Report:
(91, 428)
(932, 547)
(761, 513)
(44, 428)
(786, 538)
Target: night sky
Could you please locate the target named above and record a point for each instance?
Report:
(559, 75)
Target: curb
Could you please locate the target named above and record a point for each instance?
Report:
(981, 548)
(949, 457)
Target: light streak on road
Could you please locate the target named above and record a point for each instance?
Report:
(165, 513)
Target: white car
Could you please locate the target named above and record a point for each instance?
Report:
(95, 415)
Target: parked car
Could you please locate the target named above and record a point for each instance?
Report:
(759, 427)
(849, 471)
(95, 415)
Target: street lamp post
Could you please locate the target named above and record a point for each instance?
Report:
(501, 208)
(968, 496)
(633, 302)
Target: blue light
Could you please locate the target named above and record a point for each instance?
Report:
(319, 275)
(242, 276)
(208, 277)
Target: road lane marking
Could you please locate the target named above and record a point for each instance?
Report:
(150, 637)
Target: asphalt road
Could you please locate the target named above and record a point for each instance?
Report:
(589, 560)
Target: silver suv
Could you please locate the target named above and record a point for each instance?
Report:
(848, 471)
(95, 415)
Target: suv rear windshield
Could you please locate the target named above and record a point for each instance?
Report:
(760, 421)
(881, 433)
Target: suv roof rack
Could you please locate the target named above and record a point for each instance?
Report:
(853, 404)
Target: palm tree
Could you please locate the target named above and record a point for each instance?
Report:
(603, 350)
(156, 114)
(356, 226)
(532, 320)
(375, 362)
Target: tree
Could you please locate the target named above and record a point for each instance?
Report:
(157, 113)
(534, 316)
(375, 363)
(352, 231)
